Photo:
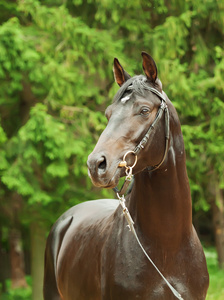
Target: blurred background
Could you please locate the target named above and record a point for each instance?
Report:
(56, 81)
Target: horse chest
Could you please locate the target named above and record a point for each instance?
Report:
(125, 272)
(129, 275)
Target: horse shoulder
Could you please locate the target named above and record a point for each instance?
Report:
(81, 248)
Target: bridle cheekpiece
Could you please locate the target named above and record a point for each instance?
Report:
(141, 145)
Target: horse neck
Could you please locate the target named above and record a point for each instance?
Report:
(160, 201)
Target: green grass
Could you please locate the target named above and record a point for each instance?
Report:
(216, 286)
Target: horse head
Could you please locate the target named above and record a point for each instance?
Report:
(133, 110)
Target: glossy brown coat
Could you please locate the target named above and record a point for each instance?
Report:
(90, 253)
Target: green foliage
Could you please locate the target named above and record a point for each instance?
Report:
(44, 155)
(53, 58)
(216, 276)
(18, 293)
(3, 137)
(69, 50)
(12, 62)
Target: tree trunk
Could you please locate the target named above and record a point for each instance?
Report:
(3, 267)
(218, 221)
(17, 259)
(38, 241)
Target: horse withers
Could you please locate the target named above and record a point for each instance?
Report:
(91, 253)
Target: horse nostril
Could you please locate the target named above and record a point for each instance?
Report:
(102, 163)
(97, 164)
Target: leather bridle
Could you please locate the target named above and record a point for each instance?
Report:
(163, 108)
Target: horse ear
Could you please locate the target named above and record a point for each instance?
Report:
(149, 67)
(120, 75)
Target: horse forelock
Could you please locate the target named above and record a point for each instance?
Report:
(138, 84)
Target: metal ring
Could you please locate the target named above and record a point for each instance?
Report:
(136, 158)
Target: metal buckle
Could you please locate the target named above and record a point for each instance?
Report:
(163, 105)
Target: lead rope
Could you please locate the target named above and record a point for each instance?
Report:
(131, 222)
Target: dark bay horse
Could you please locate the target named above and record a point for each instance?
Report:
(90, 253)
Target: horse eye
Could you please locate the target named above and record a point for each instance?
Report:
(145, 111)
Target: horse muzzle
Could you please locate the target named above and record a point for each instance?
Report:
(103, 173)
